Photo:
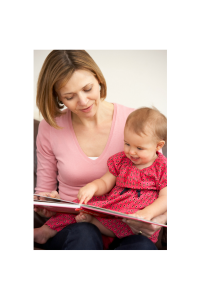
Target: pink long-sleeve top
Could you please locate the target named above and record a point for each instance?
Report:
(61, 159)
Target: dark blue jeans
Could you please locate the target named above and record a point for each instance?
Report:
(133, 242)
(86, 236)
(77, 236)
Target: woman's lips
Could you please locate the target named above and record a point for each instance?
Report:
(87, 109)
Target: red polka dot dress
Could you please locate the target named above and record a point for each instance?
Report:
(134, 190)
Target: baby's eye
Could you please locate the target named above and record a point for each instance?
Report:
(139, 148)
(127, 144)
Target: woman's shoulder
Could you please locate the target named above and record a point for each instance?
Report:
(121, 113)
(60, 121)
(123, 110)
(43, 126)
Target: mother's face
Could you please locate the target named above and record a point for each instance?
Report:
(81, 94)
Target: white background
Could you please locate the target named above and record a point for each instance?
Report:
(134, 78)
(113, 25)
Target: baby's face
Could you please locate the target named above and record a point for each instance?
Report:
(141, 150)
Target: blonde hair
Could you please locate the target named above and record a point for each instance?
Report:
(58, 68)
(146, 118)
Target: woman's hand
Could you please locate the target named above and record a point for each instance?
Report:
(43, 212)
(86, 192)
(146, 229)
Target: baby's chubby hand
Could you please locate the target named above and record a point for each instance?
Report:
(86, 193)
(142, 214)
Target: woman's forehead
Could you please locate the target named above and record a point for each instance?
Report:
(78, 80)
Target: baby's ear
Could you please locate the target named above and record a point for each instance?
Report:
(160, 145)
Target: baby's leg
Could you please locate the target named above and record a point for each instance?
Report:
(42, 234)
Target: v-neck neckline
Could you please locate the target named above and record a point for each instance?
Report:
(108, 141)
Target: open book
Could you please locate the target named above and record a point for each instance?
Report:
(64, 206)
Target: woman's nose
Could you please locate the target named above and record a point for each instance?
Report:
(82, 99)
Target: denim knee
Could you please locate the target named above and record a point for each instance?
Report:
(83, 236)
(136, 242)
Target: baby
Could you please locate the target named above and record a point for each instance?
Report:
(135, 183)
(141, 170)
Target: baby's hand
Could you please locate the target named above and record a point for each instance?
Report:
(83, 218)
(86, 193)
(142, 214)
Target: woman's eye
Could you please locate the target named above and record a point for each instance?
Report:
(84, 91)
(88, 90)
(69, 98)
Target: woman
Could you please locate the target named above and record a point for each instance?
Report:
(73, 145)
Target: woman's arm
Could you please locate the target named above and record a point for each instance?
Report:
(97, 187)
(46, 168)
(157, 208)
(46, 161)
(146, 229)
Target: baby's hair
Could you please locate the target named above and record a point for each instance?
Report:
(144, 118)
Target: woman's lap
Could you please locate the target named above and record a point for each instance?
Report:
(77, 236)
(86, 236)
(133, 242)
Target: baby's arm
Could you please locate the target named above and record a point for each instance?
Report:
(83, 217)
(158, 207)
(97, 187)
